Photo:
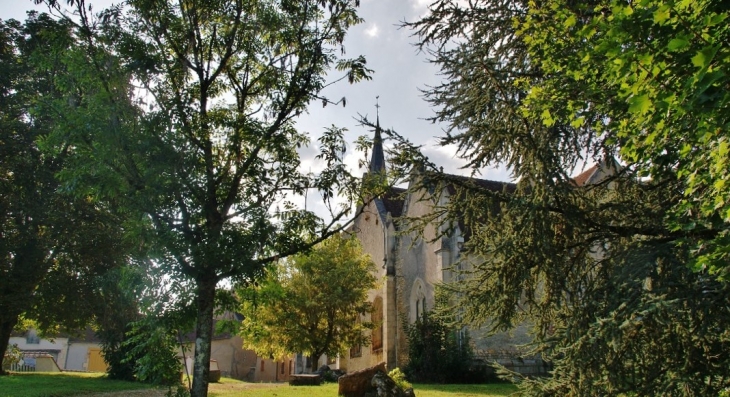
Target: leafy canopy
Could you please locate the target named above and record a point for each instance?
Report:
(53, 246)
(190, 121)
(312, 303)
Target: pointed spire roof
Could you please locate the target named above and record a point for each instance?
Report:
(377, 161)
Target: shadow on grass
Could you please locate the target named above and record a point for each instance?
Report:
(492, 389)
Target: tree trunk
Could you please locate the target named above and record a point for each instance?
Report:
(203, 336)
(6, 327)
(315, 362)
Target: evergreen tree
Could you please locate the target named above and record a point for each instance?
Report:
(619, 276)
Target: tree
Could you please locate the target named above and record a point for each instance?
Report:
(649, 79)
(52, 245)
(603, 271)
(192, 124)
(312, 303)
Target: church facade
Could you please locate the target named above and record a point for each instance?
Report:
(410, 266)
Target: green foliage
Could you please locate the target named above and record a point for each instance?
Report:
(400, 378)
(152, 349)
(311, 303)
(436, 352)
(136, 308)
(119, 305)
(12, 355)
(619, 276)
(53, 245)
(188, 118)
(647, 79)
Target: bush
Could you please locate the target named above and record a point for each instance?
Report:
(13, 354)
(436, 354)
(153, 348)
(400, 379)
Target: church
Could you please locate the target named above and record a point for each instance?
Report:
(410, 265)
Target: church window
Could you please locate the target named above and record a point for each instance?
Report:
(377, 318)
(417, 301)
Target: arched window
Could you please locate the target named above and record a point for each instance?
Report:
(418, 300)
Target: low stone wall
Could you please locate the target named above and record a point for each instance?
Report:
(512, 360)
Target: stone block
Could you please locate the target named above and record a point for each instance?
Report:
(357, 383)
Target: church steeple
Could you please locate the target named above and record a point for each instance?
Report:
(377, 161)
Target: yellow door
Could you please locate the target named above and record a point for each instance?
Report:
(96, 360)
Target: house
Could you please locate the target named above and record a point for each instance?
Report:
(410, 265)
(69, 352)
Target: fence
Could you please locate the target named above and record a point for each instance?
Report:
(35, 361)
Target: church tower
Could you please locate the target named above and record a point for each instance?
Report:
(376, 229)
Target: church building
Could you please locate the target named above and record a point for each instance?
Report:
(409, 266)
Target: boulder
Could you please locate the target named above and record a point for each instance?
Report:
(358, 383)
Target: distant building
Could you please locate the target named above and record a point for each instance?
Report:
(80, 352)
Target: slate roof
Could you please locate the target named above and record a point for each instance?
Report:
(377, 160)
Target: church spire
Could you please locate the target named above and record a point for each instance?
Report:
(377, 161)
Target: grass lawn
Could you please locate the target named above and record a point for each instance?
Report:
(231, 388)
(41, 384)
(36, 384)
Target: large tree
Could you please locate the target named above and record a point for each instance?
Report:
(603, 270)
(208, 150)
(312, 303)
(53, 245)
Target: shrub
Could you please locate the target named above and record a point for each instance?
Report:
(153, 347)
(13, 354)
(400, 379)
(437, 354)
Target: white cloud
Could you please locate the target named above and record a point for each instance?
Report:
(372, 31)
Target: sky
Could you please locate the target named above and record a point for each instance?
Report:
(400, 72)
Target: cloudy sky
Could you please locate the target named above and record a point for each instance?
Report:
(400, 71)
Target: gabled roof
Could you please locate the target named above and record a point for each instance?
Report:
(585, 176)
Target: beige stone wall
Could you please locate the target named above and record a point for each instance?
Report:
(422, 262)
(369, 229)
(425, 262)
(268, 370)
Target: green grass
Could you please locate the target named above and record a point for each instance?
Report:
(40, 384)
(231, 387)
(46, 384)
